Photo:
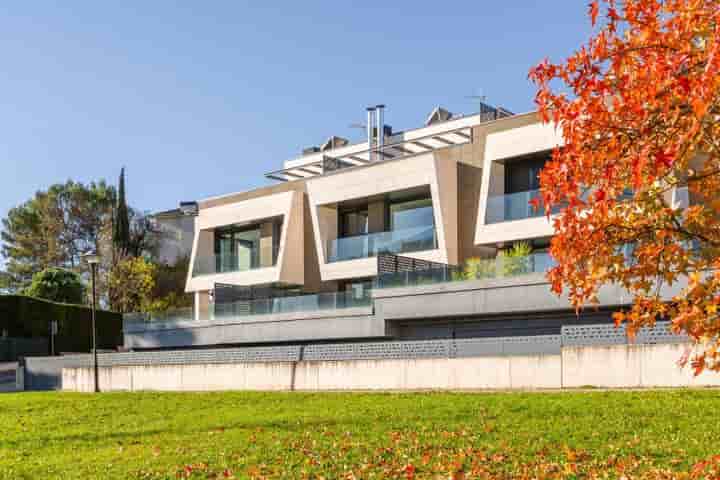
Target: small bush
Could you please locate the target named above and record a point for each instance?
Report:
(57, 285)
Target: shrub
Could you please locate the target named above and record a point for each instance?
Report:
(57, 285)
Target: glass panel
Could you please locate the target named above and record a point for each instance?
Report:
(514, 206)
(681, 198)
(247, 249)
(411, 214)
(358, 290)
(398, 241)
(224, 251)
(499, 267)
(300, 303)
(276, 234)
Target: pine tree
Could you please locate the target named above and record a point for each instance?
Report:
(121, 229)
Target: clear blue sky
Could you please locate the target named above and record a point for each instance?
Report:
(198, 99)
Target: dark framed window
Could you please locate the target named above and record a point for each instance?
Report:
(523, 175)
(237, 248)
(353, 221)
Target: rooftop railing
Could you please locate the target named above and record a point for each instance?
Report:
(395, 242)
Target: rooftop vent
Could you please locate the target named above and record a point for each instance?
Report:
(310, 150)
(438, 115)
(387, 130)
(189, 208)
(333, 143)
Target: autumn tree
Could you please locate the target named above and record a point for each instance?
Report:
(639, 111)
(169, 286)
(130, 285)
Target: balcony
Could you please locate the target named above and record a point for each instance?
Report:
(301, 303)
(213, 264)
(407, 240)
(232, 312)
(136, 320)
(513, 206)
(486, 268)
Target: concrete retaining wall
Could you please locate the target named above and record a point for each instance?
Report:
(620, 366)
(527, 372)
(629, 366)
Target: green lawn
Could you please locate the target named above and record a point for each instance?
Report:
(356, 435)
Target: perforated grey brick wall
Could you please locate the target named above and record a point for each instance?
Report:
(608, 334)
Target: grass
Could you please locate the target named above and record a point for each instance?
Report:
(356, 435)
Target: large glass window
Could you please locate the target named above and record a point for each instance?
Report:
(411, 214)
(237, 249)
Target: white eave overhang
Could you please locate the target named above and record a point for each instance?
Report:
(352, 156)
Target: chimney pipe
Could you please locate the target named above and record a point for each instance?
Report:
(370, 132)
(380, 109)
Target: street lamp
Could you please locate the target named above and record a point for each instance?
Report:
(93, 259)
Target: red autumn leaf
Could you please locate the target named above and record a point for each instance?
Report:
(664, 158)
(594, 10)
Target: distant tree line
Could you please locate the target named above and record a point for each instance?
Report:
(44, 239)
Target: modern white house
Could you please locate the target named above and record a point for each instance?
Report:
(375, 240)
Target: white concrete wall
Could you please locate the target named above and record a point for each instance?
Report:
(618, 366)
(630, 366)
(539, 371)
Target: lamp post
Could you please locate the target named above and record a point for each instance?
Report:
(93, 259)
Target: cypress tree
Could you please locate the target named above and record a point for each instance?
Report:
(121, 230)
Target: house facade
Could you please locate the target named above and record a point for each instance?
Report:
(424, 233)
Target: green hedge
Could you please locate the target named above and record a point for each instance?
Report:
(30, 318)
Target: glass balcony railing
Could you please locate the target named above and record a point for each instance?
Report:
(513, 206)
(396, 242)
(499, 267)
(229, 311)
(300, 303)
(212, 264)
(170, 316)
